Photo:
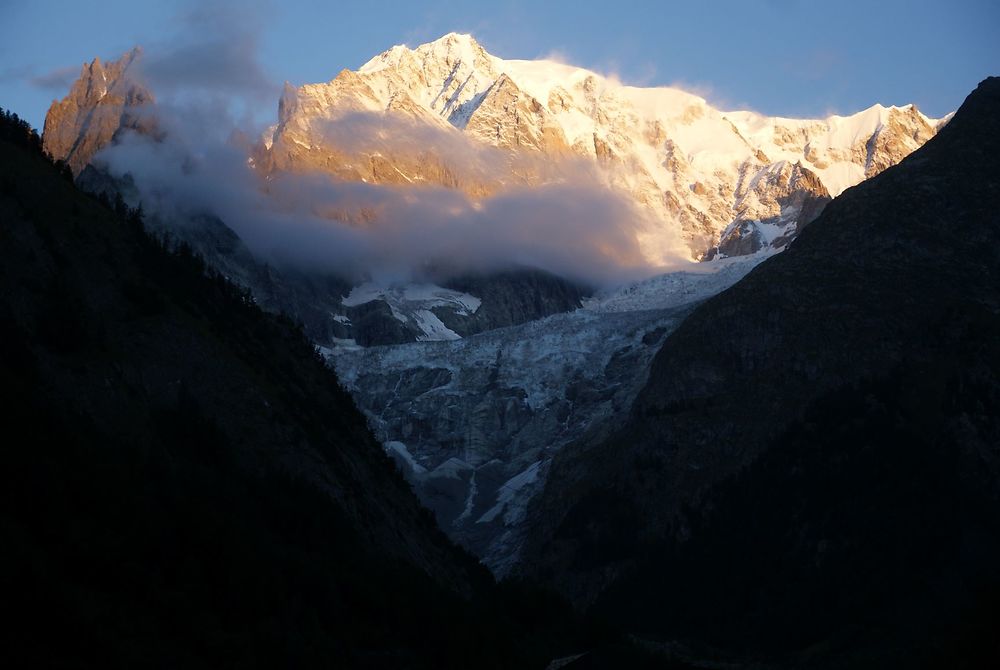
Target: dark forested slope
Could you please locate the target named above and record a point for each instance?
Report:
(185, 484)
(813, 468)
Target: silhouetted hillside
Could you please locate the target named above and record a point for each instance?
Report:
(812, 473)
(185, 484)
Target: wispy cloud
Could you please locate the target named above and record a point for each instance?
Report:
(213, 54)
(59, 79)
(16, 73)
(558, 215)
(574, 226)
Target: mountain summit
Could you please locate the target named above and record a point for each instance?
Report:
(712, 181)
(101, 102)
(705, 182)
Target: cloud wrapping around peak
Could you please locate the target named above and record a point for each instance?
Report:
(212, 58)
(557, 215)
(575, 228)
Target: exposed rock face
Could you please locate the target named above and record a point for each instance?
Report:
(510, 298)
(306, 139)
(826, 431)
(509, 118)
(702, 174)
(772, 205)
(103, 100)
(903, 132)
(371, 314)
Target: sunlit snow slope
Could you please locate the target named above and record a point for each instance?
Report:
(705, 180)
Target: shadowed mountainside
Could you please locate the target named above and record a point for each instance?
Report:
(185, 484)
(812, 472)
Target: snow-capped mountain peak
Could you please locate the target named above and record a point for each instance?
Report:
(441, 76)
(705, 181)
(688, 165)
(452, 49)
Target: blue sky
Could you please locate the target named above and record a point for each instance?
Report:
(787, 57)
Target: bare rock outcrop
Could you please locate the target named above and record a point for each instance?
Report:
(104, 100)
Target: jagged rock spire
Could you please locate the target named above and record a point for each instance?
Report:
(103, 100)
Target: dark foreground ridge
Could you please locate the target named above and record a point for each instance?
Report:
(811, 477)
(184, 482)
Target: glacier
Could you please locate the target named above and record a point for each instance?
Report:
(473, 423)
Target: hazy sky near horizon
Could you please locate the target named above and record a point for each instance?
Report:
(779, 57)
